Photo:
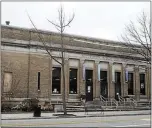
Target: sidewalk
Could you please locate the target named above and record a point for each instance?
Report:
(23, 116)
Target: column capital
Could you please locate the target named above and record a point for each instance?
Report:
(148, 66)
(136, 67)
(66, 58)
(124, 65)
(111, 62)
(97, 62)
(82, 61)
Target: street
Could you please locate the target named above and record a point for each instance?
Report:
(113, 121)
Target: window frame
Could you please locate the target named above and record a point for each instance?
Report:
(76, 80)
(60, 89)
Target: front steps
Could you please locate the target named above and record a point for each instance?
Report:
(141, 105)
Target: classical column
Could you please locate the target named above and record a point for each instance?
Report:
(96, 86)
(149, 85)
(111, 87)
(81, 81)
(137, 83)
(124, 89)
(148, 82)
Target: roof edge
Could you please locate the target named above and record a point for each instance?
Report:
(66, 34)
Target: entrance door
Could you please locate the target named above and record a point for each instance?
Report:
(130, 84)
(89, 85)
(103, 84)
(142, 84)
(117, 84)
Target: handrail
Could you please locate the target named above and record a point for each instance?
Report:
(133, 101)
(121, 99)
(103, 99)
(114, 101)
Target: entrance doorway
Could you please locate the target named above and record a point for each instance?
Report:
(117, 84)
(103, 84)
(142, 84)
(130, 84)
(89, 85)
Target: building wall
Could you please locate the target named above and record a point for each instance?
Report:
(18, 65)
(25, 63)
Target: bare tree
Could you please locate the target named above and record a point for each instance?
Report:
(137, 37)
(60, 26)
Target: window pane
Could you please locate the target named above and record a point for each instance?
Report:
(73, 81)
(56, 80)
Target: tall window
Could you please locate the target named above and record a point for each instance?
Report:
(56, 80)
(117, 77)
(142, 84)
(103, 76)
(103, 84)
(73, 81)
(130, 84)
(7, 81)
(38, 81)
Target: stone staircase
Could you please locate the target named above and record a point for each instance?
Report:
(143, 105)
(113, 105)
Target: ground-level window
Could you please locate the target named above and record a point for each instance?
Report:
(7, 81)
(142, 84)
(73, 81)
(56, 80)
(130, 84)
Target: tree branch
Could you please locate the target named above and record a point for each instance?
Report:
(41, 38)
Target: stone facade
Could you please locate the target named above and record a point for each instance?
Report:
(24, 56)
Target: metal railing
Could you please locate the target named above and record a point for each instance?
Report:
(121, 100)
(113, 101)
(103, 100)
(132, 101)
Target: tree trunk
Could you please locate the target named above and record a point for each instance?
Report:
(63, 95)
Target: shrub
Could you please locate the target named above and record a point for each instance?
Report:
(46, 106)
(29, 104)
(5, 107)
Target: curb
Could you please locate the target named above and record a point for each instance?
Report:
(54, 117)
(74, 111)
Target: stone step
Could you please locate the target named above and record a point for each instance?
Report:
(108, 109)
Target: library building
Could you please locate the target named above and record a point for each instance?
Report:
(93, 67)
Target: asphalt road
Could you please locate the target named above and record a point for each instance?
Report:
(114, 121)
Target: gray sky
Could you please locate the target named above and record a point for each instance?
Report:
(105, 20)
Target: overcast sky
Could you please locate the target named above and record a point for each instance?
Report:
(105, 20)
